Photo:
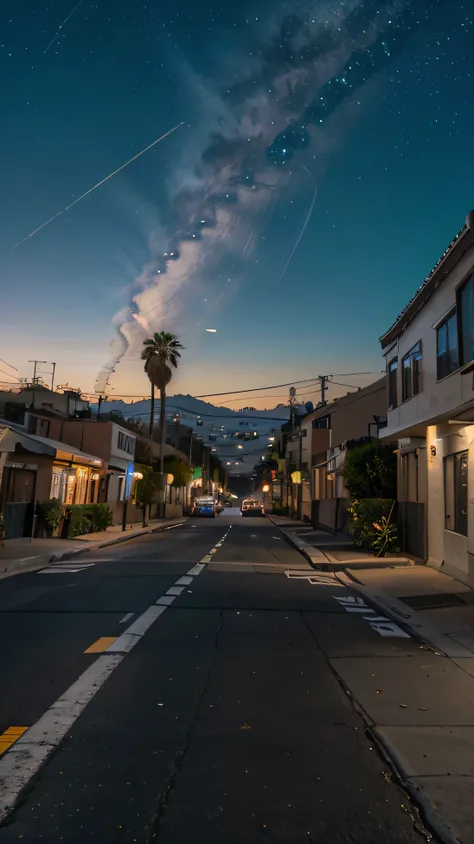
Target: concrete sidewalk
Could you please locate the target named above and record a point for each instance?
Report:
(23, 555)
(332, 552)
(419, 709)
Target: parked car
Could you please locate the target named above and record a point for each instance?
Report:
(205, 506)
(252, 507)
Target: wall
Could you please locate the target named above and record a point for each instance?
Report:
(437, 399)
(352, 414)
(445, 548)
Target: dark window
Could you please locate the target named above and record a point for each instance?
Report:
(447, 356)
(392, 383)
(321, 423)
(455, 492)
(411, 372)
(466, 302)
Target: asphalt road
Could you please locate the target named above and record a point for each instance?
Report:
(210, 713)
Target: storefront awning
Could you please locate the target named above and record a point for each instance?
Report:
(11, 438)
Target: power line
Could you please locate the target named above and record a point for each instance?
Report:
(257, 389)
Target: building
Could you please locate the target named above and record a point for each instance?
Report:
(115, 445)
(315, 453)
(429, 353)
(34, 468)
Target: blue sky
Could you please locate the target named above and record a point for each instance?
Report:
(391, 163)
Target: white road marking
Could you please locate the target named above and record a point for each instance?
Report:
(214, 551)
(314, 579)
(197, 569)
(184, 581)
(140, 626)
(383, 626)
(166, 600)
(171, 527)
(25, 757)
(66, 568)
(206, 559)
(126, 617)
(175, 590)
(277, 537)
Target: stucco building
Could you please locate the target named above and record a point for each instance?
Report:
(429, 353)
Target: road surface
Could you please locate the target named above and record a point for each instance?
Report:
(206, 708)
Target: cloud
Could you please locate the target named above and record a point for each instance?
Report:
(302, 72)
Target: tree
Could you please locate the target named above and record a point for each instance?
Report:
(145, 489)
(370, 470)
(160, 352)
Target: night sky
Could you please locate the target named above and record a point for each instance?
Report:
(323, 165)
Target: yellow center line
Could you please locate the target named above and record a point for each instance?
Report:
(100, 645)
(10, 736)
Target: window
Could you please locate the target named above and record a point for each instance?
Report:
(411, 372)
(321, 423)
(447, 356)
(466, 303)
(455, 492)
(125, 443)
(392, 384)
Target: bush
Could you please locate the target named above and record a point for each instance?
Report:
(372, 524)
(370, 470)
(87, 518)
(279, 510)
(50, 514)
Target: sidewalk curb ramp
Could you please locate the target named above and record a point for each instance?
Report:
(325, 561)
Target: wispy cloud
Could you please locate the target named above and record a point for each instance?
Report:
(304, 72)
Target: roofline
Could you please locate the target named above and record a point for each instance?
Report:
(448, 260)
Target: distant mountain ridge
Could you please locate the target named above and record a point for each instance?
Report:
(192, 406)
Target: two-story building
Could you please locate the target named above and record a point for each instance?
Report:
(429, 353)
(115, 445)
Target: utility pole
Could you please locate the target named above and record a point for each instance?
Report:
(323, 379)
(36, 372)
(292, 403)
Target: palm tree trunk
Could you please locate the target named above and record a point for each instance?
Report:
(152, 408)
(162, 428)
(162, 510)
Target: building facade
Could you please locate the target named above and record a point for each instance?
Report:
(429, 354)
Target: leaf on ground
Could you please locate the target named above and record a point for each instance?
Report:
(246, 727)
(403, 705)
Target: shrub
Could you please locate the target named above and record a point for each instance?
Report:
(87, 518)
(372, 525)
(50, 514)
(370, 470)
(279, 510)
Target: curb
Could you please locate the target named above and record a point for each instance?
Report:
(325, 561)
(41, 561)
(435, 824)
(421, 804)
(95, 546)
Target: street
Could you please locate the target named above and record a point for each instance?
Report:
(206, 708)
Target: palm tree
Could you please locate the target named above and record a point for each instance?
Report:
(161, 351)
